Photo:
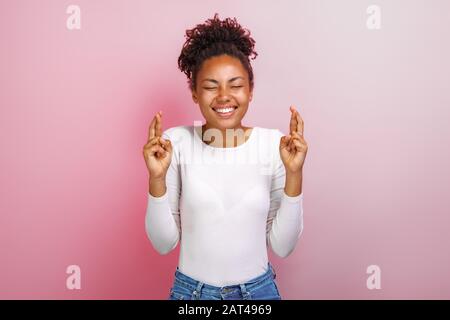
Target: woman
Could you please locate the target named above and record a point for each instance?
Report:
(207, 190)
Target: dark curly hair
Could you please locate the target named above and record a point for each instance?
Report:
(213, 38)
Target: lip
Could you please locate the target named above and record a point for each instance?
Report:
(226, 115)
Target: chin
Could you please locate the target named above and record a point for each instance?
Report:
(224, 124)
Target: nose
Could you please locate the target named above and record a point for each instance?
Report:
(223, 95)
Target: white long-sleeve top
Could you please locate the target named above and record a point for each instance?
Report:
(225, 205)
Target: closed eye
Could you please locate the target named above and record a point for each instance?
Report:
(212, 88)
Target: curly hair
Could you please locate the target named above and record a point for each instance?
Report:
(213, 38)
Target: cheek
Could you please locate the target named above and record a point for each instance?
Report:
(243, 97)
(202, 102)
(206, 97)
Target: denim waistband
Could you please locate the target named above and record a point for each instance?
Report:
(199, 286)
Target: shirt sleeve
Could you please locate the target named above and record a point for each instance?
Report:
(162, 219)
(285, 218)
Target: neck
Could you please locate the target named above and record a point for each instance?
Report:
(233, 138)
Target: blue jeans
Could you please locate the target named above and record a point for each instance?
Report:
(262, 287)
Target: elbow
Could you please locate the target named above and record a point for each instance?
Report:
(161, 242)
(283, 253)
(282, 250)
(163, 247)
(164, 250)
(285, 248)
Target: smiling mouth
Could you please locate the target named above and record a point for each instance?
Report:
(225, 112)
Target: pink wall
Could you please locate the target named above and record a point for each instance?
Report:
(75, 107)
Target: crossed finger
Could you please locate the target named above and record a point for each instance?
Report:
(295, 127)
(155, 127)
(296, 123)
(293, 123)
(293, 140)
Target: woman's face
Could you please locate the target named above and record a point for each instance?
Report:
(222, 81)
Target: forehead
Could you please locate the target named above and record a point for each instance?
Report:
(223, 65)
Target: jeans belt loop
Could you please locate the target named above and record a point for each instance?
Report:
(198, 290)
(245, 294)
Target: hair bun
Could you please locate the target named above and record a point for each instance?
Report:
(215, 37)
(215, 31)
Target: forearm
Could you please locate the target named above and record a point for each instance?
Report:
(157, 187)
(293, 183)
(161, 224)
(287, 225)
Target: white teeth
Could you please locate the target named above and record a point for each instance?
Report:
(224, 110)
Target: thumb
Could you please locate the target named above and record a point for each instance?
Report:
(168, 145)
(284, 141)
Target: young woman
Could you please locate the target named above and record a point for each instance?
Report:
(224, 190)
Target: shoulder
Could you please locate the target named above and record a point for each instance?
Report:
(272, 145)
(178, 134)
(269, 134)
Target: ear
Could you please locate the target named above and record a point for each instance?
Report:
(194, 96)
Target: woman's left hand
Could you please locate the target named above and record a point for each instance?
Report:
(293, 147)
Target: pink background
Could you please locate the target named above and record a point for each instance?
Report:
(75, 107)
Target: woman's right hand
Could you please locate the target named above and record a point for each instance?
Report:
(157, 151)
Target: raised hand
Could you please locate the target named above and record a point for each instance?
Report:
(293, 147)
(157, 151)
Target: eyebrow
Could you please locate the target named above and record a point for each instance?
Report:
(215, 81)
